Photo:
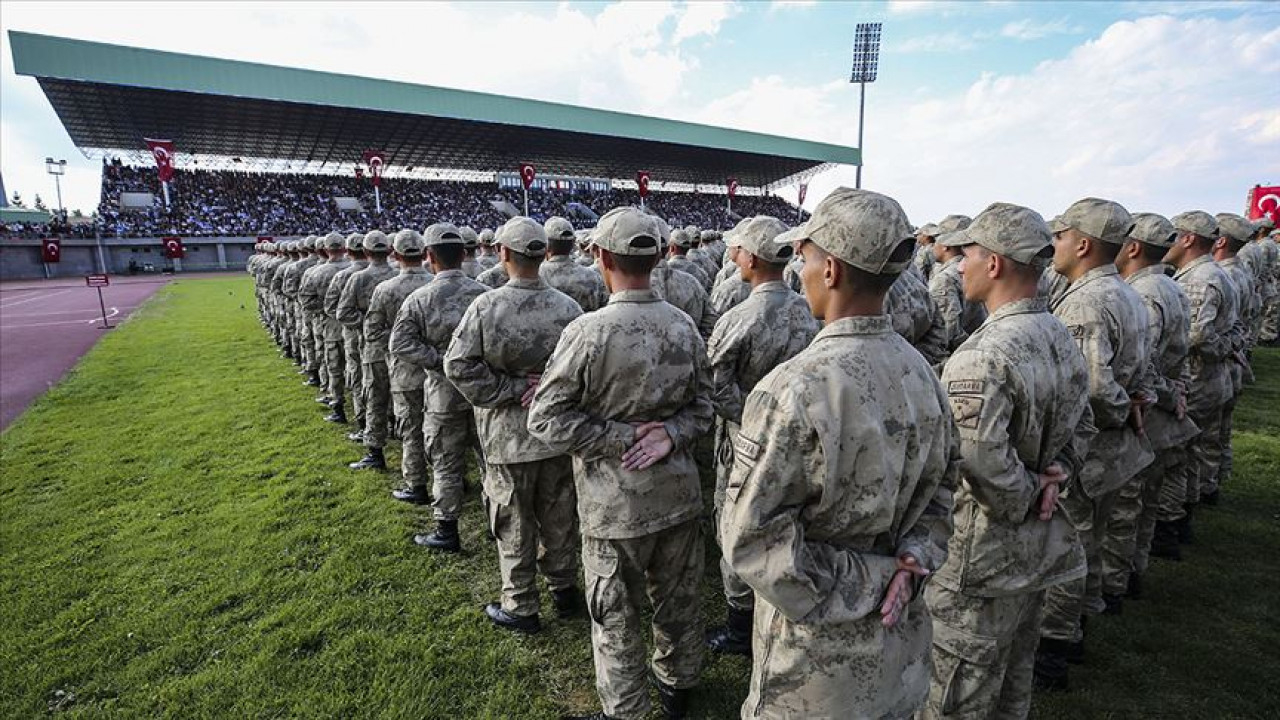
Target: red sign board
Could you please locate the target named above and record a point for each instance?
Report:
(97, 280)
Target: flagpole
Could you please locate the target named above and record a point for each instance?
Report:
(377, 199)
(526, 202)
(165, 187)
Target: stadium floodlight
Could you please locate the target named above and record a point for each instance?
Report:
(57, 168)
(866, 61)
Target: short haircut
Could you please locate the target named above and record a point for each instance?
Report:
(1201, 242)
(560, 246)
(1150, 253)
(1233, 244)
(523, 261)
(869, 283)
(449, 255)
(635, 265)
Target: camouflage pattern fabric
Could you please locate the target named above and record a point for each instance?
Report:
(578, 282)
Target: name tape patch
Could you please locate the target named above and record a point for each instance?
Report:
(962, 387)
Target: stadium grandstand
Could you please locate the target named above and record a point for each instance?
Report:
(263, 150)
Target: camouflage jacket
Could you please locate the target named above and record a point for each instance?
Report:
(580, 283)
(293, 275)
(315, 285)
(791, 274)
(1109, 323)
(637, 359)
(705, 261)
(770, 326)
(914, 317)
(685, 265)
(422, 331)
(846, 460)
(494, 277)
(1213, 315)
(487, 261)
(333, 328)
(683, 291)
(959, 316)
(1052, 285)
(1168, 321)
(729, 292)
(472, 268)
(925, 262)
(278, 276)
(384, 305)
(505, 336)
(354, 302)
(1014, 388)
(1248, 302)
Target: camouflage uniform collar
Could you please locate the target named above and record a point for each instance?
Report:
(527, 283)
(860, 325)
(1019, 307)
(952, 261)
(634, 296)
(450, 273)
(662, 262)
(1157, 269)
(418, 270)
(1099, 272)
(771, 286)
(558, 259)
(1203, 259)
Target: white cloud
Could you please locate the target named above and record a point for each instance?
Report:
(904, 7)
(703, 18)
(791, 4)
(948, 42)
(1027, 29)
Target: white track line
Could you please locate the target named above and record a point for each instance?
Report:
(40, 296)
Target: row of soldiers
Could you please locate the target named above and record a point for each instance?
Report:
(937, 451)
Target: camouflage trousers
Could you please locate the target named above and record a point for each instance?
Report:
(1227, 459)
(1171, 503)
(315, 359)
(1121, 539)
(407, 405)
(1163, 489)
(335, 354)
(665, 566)
(533, 516)
(1205, 455)
(1065, 604)
(984, 651)
(306, 343)
(377, 402)
(1270, 327)
(447, 437)
(354, 367)
(737, 593)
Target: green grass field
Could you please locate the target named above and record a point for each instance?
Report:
(179, 536)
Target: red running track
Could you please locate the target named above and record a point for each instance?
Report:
(46, 326)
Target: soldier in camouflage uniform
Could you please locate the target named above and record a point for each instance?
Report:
(307, 307)
(839, 501)
(914, 317)
(381, 386)
(339, 342)
(769, 327)
(471, 244)
(315, 287)
(924, 259)
(284, 308)
(1207, 375)
(421, 335)
(701, 256)
(713, 245)
(487, 257)
(681, 289)
(303, 341)
(1148, 510)
(1109, 322)
(1234, 233)
(1014, 390)
(959, 316)
(559, 271)
(682, 243)
(627, 393)
(1267, 263)
(352, 307)
(495, 360)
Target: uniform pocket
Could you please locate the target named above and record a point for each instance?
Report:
(965, 663)
(604, 589)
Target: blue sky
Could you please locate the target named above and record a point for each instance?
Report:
(1162, 106)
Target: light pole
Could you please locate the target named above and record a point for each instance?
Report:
(57, 168)
(866, 60)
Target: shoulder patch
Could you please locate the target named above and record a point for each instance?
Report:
(961, 387)
(746, 449)
(966, 410)
(1077, 331)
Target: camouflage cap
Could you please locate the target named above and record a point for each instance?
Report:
(1234, 226)
(442, 234)
(408, 243)
(1196, 222)
(951, 223)
(470, 239)
(861, 228)
(1100, 219)
(334, 241)
(929, 229)
(1264, 223)
(731, 237)
(583, 237)
(486, 237)
(709, 236)
(355, 241)
(523, 235)
(269, 247)
(681, 238)
(558, 227)
(1016, 232)
(376, 241)
(664, 231)
(760, 237)
(627, 231)
(1153, 229)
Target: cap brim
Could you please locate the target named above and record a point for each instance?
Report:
(1057, 225)
(955, 238)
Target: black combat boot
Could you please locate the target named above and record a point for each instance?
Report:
(356, 437)
(568, 602)
(505, 620)
(414, 495)
(324, 400)
(444, 538)
(735, 637)
(1051, 665)
(372, 460)
(1134, 591)
(1210, 499)
(674, 701)
(1113, 604)
(339, 414)
(1164, 544)
(313, 379)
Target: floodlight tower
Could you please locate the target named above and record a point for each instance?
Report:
(866, 60)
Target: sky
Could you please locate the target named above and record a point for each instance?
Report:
(1161, 106)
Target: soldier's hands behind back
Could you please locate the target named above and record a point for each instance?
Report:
(1051, 481)
(527, 398)
(900, 588)
(652, 444)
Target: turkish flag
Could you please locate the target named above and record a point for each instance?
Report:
(804, 190)
(375, 159)
(265, 238)
(527, 174)
(733, 186)
(642, 183)
(173, 249)
(162, 151)
(50, 250)
(1264, 201)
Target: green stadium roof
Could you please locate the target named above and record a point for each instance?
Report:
(110, 97)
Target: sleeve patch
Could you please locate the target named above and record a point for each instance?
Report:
(962, 387)
(1077, 331)
(747, 450)
(966, 410)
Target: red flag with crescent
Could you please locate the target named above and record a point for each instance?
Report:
(527, 174)
(642, 183)
(804, 190)
(733, 187)
(173, 249)
(374, 159)
(51, 250)
(1265, 201)
(162, 151)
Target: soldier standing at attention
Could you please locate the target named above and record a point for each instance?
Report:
(487, 257)
(352, 307)
(340, 342)
(421, 335)
(315, 287)
(379, 383)
(681, 289)
(769, 327)
(470, 244)
(839, 501)
(959, 316)
(495, 359)
(924, 259)
(1267, 264)
(559, 271)
(1014, 388)
(682, 243)
(1234, 233)
(1109, 323)
(628, 394)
